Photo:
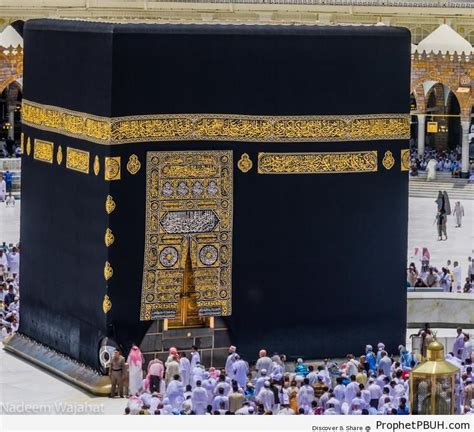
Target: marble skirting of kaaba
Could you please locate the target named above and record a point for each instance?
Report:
(179, 176)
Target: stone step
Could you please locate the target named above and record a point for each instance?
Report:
(447, 179)
(442, 186)
(431, 185)
(456, 188)
(452, 196)
(433, 194)
(441, 174)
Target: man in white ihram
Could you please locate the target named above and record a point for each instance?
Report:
(259, 383)
(199, 399)
(241, 370)
(229, 364)
(385, 364)
(457, 277)
(266, 397)
(175, 392)
(263, 362)
(305, 396)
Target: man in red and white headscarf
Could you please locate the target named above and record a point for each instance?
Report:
(135, 367)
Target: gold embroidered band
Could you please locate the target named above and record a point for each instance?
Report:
(317, 163)
(231, 127)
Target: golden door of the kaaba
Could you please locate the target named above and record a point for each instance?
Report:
(187, 273)
(187, 312)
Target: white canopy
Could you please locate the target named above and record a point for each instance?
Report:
(446, 40)
(10, 37)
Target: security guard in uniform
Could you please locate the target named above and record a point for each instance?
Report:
(116, 373)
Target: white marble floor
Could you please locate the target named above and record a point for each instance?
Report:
(27, 387)
(10, 223)
(422, 232)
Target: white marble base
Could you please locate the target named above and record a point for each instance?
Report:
(440, 309)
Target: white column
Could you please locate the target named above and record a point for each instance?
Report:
(465, 124)
(421, 134)
(11, 120)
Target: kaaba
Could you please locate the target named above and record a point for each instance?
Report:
(250, 179)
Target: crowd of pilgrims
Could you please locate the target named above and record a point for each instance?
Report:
(449, 278)
(375, 384)
(9, 290)
(446, 161)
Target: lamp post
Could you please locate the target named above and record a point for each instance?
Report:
(432, 383)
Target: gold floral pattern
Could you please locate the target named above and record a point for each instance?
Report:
(106, 304)
(108, 271)
(405, 159)
(77, 160)
(109, 237)
(245, 164)
(133, 164)
(43, 151)
(184, 127)
(112, 168)
(59, 155)
(317, 163)
(388, 161)
(28, 146)
(96, 165)
(109, 204)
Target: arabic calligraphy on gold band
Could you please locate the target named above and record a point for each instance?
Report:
(317, 163)
(182, 127)
(43, 151)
